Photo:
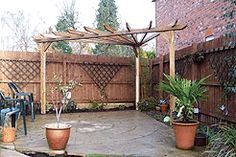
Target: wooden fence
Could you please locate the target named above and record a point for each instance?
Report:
(198, 61)
(114, 74)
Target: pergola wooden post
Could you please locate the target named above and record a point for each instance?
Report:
(137, 76)
(169, 36)
(110, 36)
(43, 48)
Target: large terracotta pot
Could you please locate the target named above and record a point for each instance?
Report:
(185, 134)
(57, 137)
(8, 135)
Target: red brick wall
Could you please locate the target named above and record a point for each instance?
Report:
(203, 17)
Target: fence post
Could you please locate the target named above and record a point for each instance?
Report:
(64, 70)
(194, 67)
(150, 64)
(161, 70)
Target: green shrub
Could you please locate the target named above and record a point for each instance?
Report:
(121, 107)
(147, 104)
(222, 143)
(96, 106)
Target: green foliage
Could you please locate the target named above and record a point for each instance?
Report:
(187, 93)
(148, 54)
(147, 104)
(68, 19)
(203, 129)
(229, 15)
(145, 78)
(222, 143)
(107, 15)
(64, 89)
(121, 107)
(113, 50)
(151, 54)
(70, 107)
(62, 46)
(96, 106)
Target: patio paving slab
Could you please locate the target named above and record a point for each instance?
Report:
(10, 153)
(121, 133)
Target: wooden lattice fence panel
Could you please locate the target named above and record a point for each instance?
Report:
(19, 71)
(101, 73)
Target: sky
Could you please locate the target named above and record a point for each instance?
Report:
(138, 13)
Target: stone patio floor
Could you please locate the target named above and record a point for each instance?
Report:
(121, 133)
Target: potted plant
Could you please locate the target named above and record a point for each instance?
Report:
(163, 105)
(8, 132)
(58, 133)
(187, 93)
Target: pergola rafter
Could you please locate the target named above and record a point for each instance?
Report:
(109, 36)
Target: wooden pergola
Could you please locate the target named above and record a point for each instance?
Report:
(110, 36)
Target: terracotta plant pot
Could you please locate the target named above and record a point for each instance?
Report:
(8, 135)
(185, 134)
(163, 108)
(57, 137)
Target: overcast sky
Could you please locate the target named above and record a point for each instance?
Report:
(138, 13)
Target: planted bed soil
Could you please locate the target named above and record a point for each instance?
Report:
(94, 110)
(38, 154)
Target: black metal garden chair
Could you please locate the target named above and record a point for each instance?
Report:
(12, 107)
(27, 96)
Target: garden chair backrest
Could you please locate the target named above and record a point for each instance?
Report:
(2, 99)
(14, 88)
(2, 96)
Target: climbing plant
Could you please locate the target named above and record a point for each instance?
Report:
(224, 69)
(229, 15)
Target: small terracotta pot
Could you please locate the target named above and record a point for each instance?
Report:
(57, 138)
(163, 108)
(185, 134)
(8, 135)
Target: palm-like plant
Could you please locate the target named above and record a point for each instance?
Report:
(187, 93)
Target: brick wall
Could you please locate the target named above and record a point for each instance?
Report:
(203, 17)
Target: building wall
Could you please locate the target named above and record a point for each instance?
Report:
(204, 18)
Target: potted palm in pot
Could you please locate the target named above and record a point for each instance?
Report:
(58, 133)
(187, 93)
